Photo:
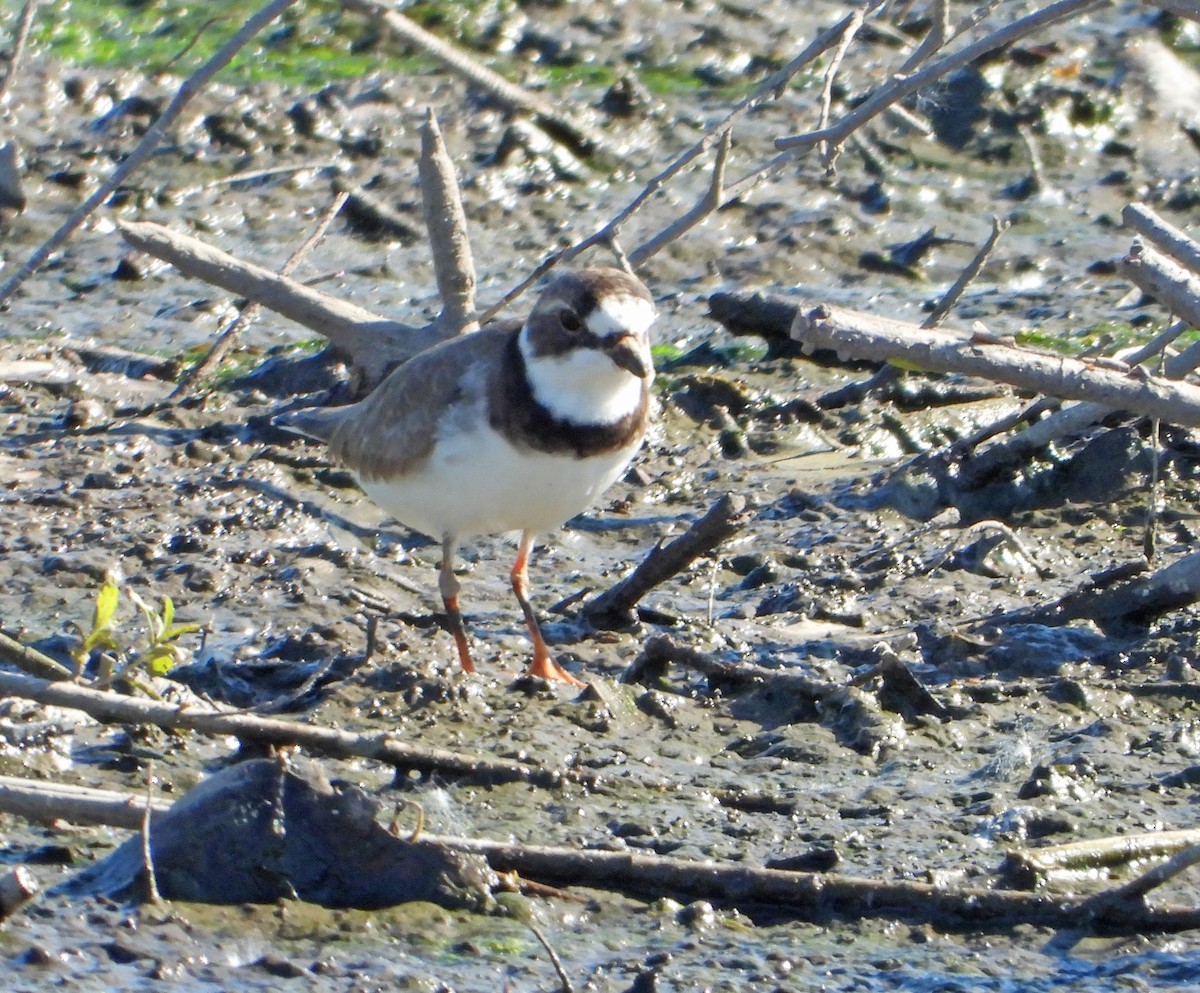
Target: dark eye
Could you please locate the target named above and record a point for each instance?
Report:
(569, 321)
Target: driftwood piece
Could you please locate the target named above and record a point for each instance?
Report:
(661, 651)
(446, 222)
(225, 340)
(262, 831)
(113, 708)
(884, 339)
(615, 607)
(1171, 285)
(818, 895)
(1138, 601)
(372, 343)
(45, 802)
(1034, 867)
(31, 660)
(1162, 234)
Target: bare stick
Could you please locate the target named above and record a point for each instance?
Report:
(1070, 420)
(906, 85)
(1156, 876)
(772, 86)
(616, 604)
(227, 337)
(882, 339)
(117, 709)
(18, 47)
(32, 661)
(46, 802)
(154, 134)
(815, 894)
(551, 119)
(374, 344)
(1169, 284)
(829, 152)
(952, 295)
(709, 202)
(935, 37)
(555, 961)
(446, 222)
(152, 893)
(1138, 601)
(661, 651)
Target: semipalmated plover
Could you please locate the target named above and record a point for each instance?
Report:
(513, 427)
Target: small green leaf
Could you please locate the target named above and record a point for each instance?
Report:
(106, 605)
(178, 631)
(161, 659)
(168, 613)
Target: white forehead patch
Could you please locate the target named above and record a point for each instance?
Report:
(621, 315)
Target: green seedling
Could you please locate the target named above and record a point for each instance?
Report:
(159, 652)
(162, 651)
(100, 638)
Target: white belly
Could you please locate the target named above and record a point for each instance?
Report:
(478, 483)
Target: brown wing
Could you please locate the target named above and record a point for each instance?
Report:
(392, 431)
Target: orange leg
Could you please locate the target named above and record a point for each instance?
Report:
(543, 664)
(448, 585)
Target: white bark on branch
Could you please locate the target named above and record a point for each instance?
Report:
(1163, 234)
(372, 343)
(864, 336)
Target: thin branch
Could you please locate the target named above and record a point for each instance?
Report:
(117, 709)
(1166, 236)
(1171, 285)
(225, 340)
(866, 336)
(555, 961)
(615, 606)
(952, 295)
(154, 134)
(374, 344)
(32, 661)
(45, 802)
(18, 47)
(772, 86)
(906, 85)
(446, 222)
(707, 203)
(152, 893)
(935, 38)
(829, 152)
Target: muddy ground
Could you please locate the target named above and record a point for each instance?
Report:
(1048, 733)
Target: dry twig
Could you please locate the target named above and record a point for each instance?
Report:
(225, 340)
(115, 708)
(882, 339)
(154, 134)
(24, 23)
(615, 606)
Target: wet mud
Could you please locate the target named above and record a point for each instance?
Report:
(1017, 734)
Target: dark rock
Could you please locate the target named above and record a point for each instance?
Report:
(260, 831)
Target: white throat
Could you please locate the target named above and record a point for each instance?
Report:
(582, 386)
